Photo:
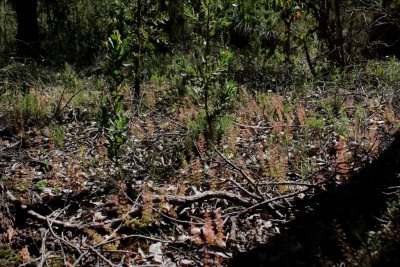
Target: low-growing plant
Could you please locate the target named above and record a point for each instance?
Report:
(341, 124)
(158, 79)
(117, 135)
(58, 135)
(9, 256)
(315, 124)
(40, 185)
(29, 106)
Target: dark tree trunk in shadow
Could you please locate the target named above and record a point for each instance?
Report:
(28, 30)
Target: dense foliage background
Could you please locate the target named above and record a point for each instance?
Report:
(341, 32)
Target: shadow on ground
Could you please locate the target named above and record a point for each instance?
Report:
(331, 227)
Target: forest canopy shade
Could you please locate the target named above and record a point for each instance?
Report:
(28, 30)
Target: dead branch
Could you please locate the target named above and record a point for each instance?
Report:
(248, 178)
(36, 260)
(11, 146)
(268, 201)
(244, 189)
(105, 242)
(207, 195)
(44, 255)
(175, 200)
(292, 183)
(102, 257)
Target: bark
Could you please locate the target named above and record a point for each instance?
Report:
(138, 52)
(28, 30)
(340, 55)
(287, 47)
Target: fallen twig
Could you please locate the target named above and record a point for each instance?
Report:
(248, 178)
(267, 201)
(102, 257)
(36, 259)
(187, 200)
(11, 146)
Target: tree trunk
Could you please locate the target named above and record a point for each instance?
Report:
(287, 48)
(138, 52)
(28, 30)
(340, 57)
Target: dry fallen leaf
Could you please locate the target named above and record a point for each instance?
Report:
(156, 251)
(185, 263)
(98, 217)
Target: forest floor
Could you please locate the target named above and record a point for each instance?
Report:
(302, 177)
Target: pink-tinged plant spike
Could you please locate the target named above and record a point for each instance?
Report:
(301, 115)
(373, 137)
(208, 230)
(289, 126)
(220, 230)
(212, 232)
(197, 172)
(147, 212)
(277, 104)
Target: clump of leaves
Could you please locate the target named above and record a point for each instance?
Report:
(58, 135)
(211, 235)
(210, 83)
(113, 117)
(212, 232)
(8, 256)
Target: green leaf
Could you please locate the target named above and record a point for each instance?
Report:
(225, 22)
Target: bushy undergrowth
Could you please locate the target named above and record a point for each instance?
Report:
(277, 136)
(166, 117)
